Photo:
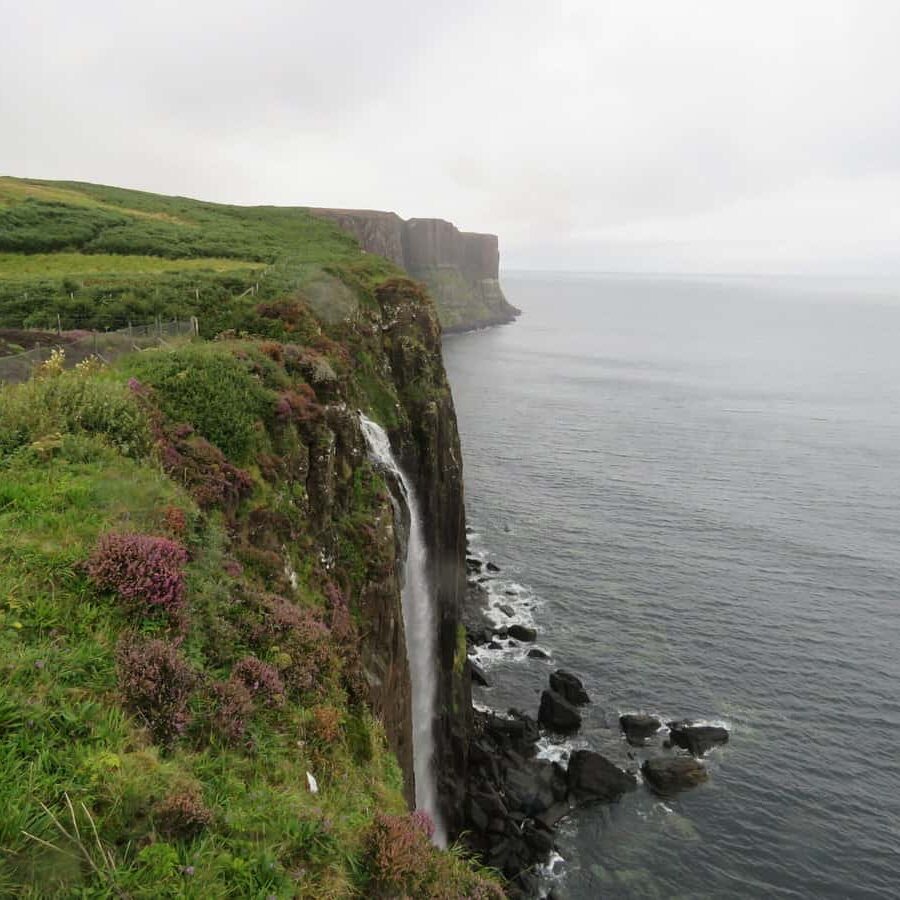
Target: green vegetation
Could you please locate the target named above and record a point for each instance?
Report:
(100, 256)
(160, 748)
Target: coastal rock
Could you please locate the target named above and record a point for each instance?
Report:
(638, 728)
(696, 739)
(591, 776)
(492, 567)
(522, 633)
(506, 609)
(669, 774)
(537, 653)
(479, 676)
(569, 686)
(473, 565)
(535, 787)
(557, 714)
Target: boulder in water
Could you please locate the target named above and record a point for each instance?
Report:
(479, 676)
(638, 728)
(569, 686)
(522, 633)
(669, 774)
(557, 714)
(696, 739)
(506, 609)
(591, 776)
(492, 567)
(537, 653)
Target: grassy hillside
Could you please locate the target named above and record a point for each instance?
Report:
(194, 551)
(100, 256)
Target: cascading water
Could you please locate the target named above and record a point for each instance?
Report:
(419, 625)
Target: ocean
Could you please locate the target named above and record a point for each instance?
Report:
(691, 487)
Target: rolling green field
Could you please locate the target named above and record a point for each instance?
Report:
(100, 256)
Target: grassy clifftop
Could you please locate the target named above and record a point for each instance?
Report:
(100, 256)
(199, 594)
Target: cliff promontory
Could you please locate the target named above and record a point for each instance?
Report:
(460, 268)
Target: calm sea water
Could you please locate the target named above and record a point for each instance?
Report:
(692, 488)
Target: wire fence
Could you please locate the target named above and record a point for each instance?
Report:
(105, 345)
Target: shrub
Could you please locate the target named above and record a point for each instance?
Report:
(299, 405)
(182, 815)
(233, 706)
(145, 571)
(401, 856)
(260, 679)
(327, 723)
(156, 683)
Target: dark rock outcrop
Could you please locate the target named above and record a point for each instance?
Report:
(569, 686)
(522, 633)
(593, 777)
(557, 714)
(479, 676)
(669, 774)
(696, 739)
(639, 728)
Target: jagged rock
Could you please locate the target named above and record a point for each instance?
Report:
(696, 739)
(669, 774)
(569, 686)
(557, 714)
(535, 787)
(591, 776)
(492, 567)
(506, 609)
(537, 653)
(554, 814)
(494, 645)
(479, 676)
(501, 632)
(638, 728)
(522, 633)
(473, 565)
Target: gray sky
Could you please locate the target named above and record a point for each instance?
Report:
(640, 135)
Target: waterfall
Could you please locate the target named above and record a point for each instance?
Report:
(419, 625)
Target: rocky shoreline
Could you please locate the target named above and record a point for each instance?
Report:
(515, 798)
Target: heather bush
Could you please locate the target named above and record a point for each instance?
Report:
(327, 723)
(299, 405)
(201, 467)
(401, 857)
(232, 708)
(182, 815)
(260, 679)
(147, 572)
(156, 683)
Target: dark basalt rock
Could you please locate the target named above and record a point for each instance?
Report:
(535, 787)
(494, 645)
(492, 567)
(522, 633)
(569, 686)
(557, 714)
(479, 676)
(638, 728)
(473, 565)
(669, 774)
(506, 609)
(537, 653)
(696, 739)
(593, 777)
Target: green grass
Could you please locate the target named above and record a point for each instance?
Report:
(98, 256)
(81, 265)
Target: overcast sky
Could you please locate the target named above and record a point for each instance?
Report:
(639, 135)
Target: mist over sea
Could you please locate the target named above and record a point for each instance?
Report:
(692, 488)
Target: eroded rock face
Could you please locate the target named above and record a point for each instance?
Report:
(669, 774)
(460, 268)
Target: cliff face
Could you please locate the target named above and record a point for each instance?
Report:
(460, 268)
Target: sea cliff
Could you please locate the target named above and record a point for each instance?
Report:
(202, 629)
(461, 269)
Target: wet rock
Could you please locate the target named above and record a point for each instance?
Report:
(696, 739)
(494, 645)
(569, 686)
(506, 609)
(491, 567)
(669, 774)
(537, 653)
(522, 633)
(479, 676)
(557, 714)
(473, 565)
(511, 593)
(591, 776)
(638, 728)
(530, 789)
